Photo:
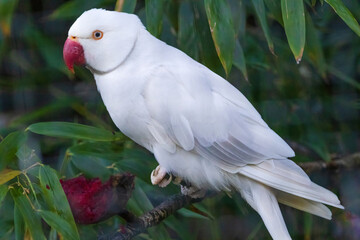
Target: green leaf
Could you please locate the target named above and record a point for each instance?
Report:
(92, 166)
(74, 131)
(239, 59)
(31, 217)
(127, 6)
(207, 49)
(294, 24)
(187, 35)
(9, 147)
(260, 12)
(3, 191)
(191, 214)
(45, 111)
(73, 9)
(19, 224)
(274, 7)
(140, 203)
(344, 77)
(314, 48)
(7, 8)
(63, 227)
(345, 14)
(56, 200)
(8, 174)
(154, 15)
(222, 31)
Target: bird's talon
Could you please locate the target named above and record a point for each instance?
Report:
(158, 177)
(165, 181)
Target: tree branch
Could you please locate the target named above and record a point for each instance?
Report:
(137, 225)
(347, 162)
(151, 218)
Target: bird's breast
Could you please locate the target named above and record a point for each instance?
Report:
(127, 109)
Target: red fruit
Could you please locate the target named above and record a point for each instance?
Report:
(92, 201)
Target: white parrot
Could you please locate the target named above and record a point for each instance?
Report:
(198, 126)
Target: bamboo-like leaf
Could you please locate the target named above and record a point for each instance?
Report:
(140, 203)
(294, 24)
(191, 214)
(9, 147)
(187, 35)
(345, 14)
(274, 7)
(260, 12)
(19, 224)
(3, 191)
(74, 131)
(31, 218)
(239, 59)
(313, 47)
(207, 51)
(7, 8)
(63, 227)
(8, 174)
(73, 9)
(154, 14)
(56, 200)
(222, 31)
(127, 6)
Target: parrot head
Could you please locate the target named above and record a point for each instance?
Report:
(101, 40)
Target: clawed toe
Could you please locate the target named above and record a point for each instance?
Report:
(158, 177)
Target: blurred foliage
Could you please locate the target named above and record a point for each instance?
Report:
(252, 43)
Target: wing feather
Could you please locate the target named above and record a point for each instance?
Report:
(204, 113)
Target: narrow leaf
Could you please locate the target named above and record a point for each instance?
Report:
(314, 48)
(73, 9)
(345, 14)
(191, 214)
(7, 8)
(56, 200)
(187, 35)
(8, 174)
(74, 131)
(62, 226)
(222, 31)
(342, 76)
(31, 218)
(207, 51)
(127, 6)
(19, 224)
(260, 12)
(3, 192)
(154, 14)
(239, 59)
(294, 24)
(274, 7)
(9, 147)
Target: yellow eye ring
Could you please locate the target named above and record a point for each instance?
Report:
(97, 35)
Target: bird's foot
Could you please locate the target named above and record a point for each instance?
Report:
(158, 177)
(192, 191)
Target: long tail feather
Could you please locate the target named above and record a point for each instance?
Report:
(302, 204)
(263, 200)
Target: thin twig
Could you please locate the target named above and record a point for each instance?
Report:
(151, 218)
(137, 225)
(347, 162)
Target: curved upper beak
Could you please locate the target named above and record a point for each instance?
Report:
(73, 53)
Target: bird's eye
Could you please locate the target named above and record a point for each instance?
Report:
(97, 34)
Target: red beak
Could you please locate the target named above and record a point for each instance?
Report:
(73, 53)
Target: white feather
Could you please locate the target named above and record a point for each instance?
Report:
(198, 125)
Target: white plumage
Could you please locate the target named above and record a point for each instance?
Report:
(198, 126)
